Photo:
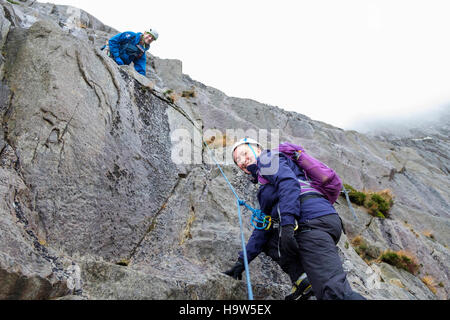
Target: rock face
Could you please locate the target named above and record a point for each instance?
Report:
(98, 202)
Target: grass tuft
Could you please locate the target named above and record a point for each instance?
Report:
(401, 259)
(430, 283)
(377, 203)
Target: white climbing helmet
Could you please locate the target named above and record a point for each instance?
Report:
(154, 34)
(244, 141)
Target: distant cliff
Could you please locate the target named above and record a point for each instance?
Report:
(107, 192)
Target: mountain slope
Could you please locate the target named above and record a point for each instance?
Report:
(107, 192)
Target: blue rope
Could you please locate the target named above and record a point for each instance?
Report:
(239, 204)
(220, 168)
(247, 269)
(259, 219)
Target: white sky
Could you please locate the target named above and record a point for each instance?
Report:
(333, 60)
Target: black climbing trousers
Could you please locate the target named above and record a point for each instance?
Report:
(319, 258)
(290, 265)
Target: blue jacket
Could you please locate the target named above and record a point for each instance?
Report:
(124, 50)
(281, 198)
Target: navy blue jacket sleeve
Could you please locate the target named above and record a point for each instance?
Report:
(287, 187)
(255, 244)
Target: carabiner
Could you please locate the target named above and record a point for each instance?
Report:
(268, 218)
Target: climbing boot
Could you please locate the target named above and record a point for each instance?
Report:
(301, 289)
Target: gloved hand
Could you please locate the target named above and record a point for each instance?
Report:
(288, 243)
(236, 271)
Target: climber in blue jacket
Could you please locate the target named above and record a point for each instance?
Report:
(305, 226)
(128, 47)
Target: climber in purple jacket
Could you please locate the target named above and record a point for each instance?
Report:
(305, 226)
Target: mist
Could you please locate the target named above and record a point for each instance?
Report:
(430, 121)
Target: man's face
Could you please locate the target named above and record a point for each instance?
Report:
(244, 157)
(148, 38)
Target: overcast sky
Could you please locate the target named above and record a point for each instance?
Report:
(337, 61)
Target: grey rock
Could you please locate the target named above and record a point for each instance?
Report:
(97, 202)
(28, 269)
(94, 147)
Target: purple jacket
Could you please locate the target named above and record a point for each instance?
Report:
(281, 198)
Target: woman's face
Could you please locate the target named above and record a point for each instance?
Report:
(244, 157)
